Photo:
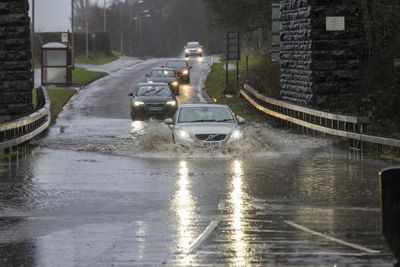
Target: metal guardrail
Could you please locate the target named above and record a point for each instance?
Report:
(18, 131)
(349, 127)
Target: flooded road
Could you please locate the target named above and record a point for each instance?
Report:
(102, 190)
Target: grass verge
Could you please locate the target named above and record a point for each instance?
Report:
(58, 98)
(83, 77)
(97, 60)
(215, 85)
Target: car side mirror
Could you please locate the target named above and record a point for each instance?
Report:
(185, 47)
(190, 67)
(201, 46)
(162, 66)
(241, 120)
(169, 121)
(130, 94)
(147, 75)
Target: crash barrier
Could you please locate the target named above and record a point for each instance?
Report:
(309, 120)
(389, 183)
(21, 130)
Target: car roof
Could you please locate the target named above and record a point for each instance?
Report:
(202, 105)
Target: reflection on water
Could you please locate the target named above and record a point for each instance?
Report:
(236, 200)
(137, 127)
(184, 206)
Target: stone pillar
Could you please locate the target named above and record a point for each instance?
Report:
(318, 64)
(15, 59)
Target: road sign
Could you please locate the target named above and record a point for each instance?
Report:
(232, 46)
(64, 37)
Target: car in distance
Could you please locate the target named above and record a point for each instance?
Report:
(165, 75)
(193, 49)
(181, 68)
(152, 99)
(205, 125)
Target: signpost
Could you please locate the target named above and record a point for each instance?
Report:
(232, 53)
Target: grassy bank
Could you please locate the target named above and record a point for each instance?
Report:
(215, 85)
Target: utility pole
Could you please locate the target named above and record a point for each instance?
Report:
(73, 34)
(87, 30)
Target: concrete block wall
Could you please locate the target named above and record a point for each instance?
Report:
(318, 65)
(15, 59)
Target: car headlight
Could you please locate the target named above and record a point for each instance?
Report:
(185, 72)
(150, 82)
(236, 134)
(200, 50)
(187, 50)
(171, 103)
(175, 83)
(184, 135)
(138, 103)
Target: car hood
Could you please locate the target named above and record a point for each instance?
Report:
(207, 128)
(168, 80)
(153, 99)
(180, 69)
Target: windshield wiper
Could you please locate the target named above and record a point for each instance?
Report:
(202, 121)
(145, 93)
(225, 120)
(159, 90)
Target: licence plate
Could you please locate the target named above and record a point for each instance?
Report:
(155, 108)
(210, 144)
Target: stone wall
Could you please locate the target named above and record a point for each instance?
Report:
(15, 59)
(319, 65)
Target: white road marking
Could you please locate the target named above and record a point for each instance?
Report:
(339, 241)
(210, 228)
(299, 254)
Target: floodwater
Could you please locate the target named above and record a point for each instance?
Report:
(103, 190)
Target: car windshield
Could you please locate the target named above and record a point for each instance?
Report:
(192, 45)
(161, 90)
(176, 64)
(205, 114)
(162, 73)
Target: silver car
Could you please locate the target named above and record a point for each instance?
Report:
(205, 125)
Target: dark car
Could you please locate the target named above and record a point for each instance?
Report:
(152, 99)
(164, 75)
(181, 68)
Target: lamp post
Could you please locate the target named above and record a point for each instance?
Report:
(33, 42)
(87, 30)
(143, 14)
(73, 35)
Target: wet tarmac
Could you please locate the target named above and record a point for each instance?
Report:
(102, 190)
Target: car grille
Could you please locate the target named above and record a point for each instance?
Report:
(193, 51)
(211, 137)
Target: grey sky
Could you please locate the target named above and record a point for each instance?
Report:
(53, 15)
